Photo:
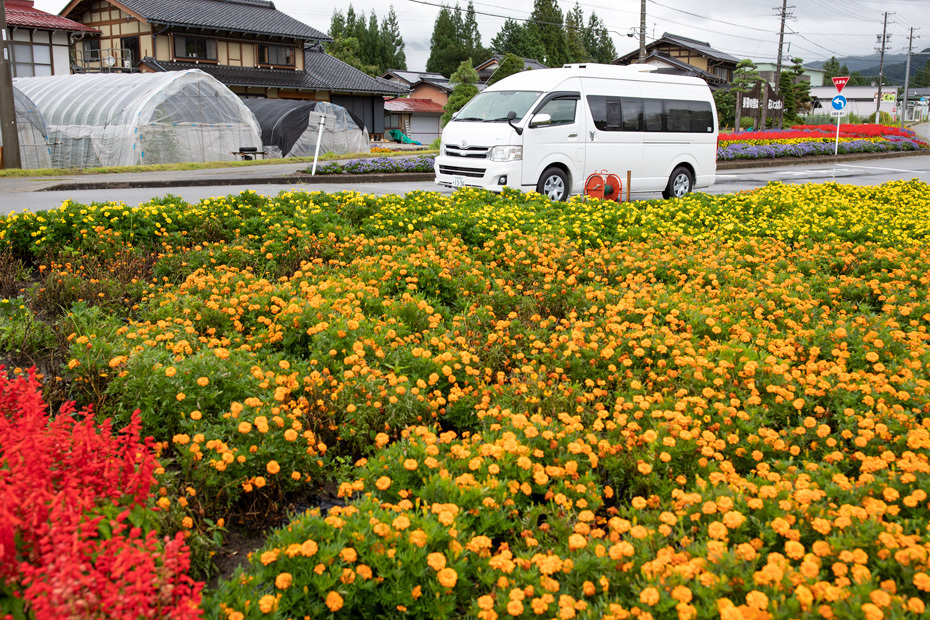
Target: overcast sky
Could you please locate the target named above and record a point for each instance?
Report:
(743, 28)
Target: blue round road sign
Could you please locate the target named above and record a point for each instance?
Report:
(839, 102)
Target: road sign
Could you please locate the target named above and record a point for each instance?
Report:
(840, 82)
(839, 102)
(837, 113)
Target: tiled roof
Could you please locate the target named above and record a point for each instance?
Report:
(244, 76)
(680, 67)
(412, 77)
(342, 77)
(413, 106)
(22, 14)
(244, 16)
(701, 47)
(440, 84)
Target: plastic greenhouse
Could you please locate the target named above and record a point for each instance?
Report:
(287, 130)
(33, 136)
(121, 119)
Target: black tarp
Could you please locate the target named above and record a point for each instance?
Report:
(285, 125)
(282, 120)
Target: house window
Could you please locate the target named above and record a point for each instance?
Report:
(276, 55)
(31, 59)
(194, 48)
(392, 121)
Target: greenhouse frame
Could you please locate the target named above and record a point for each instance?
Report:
(30, 129)
(124, 119)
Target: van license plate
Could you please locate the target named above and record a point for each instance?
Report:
(458, 181)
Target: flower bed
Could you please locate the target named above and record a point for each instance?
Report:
(378, 165)
(805, 141)
(697, 408)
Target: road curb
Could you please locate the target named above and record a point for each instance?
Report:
(285, 179)
(401, 177)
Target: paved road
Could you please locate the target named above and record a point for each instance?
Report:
(27, 194)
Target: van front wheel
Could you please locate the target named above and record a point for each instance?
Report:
(680, 183)
(554, 184)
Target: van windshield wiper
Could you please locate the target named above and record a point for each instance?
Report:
(470, 118)
(498, 120)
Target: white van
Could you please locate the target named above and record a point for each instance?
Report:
(548, 130)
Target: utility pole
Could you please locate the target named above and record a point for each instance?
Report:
(781, 42)
(907, 75)
(642, 31)
(881, 66)
(8, 132)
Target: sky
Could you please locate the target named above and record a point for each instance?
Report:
(815, 30)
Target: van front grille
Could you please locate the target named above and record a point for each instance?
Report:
(475, 173)
(472, 152)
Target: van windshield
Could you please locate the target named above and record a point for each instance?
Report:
(493, 106)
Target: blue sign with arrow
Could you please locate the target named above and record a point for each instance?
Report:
(839, 102)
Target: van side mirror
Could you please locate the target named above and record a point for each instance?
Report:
(541, 119)
(510, 116)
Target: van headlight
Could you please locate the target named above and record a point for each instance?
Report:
(506, 153)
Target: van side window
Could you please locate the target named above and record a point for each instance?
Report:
(653, 115)
(702, 117)
(616, 113)
(562, 111)
(677, 116)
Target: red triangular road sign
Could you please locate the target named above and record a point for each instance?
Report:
(840, 82)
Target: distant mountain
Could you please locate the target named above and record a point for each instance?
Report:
(868, 66)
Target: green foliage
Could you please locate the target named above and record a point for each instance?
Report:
(464, 78)
(744, 78)
(575, 47)
(455, 39)
(518, 39)
(509, 65)
(598, 42)
(20, 331)
(546, 20)
(922, 78)
(796, 92)
(364, 44)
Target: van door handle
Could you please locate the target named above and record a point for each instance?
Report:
(573, 135)
(591, 134)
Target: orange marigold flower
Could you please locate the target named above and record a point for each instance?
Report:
(348, 554)
(244, 427)
(383, 483)
(273, 467)
(577, 541)
(514, 608)
(757, 600)
(417, 592)
(410, 464)
(649, 596)
(447, 577)
(283, 581)
(334, 601)
(267, 604)
(922, 582)
(682, 594)
(436, 561)
(203, 381)
(401, 523)
(872, 611)
(485, 602)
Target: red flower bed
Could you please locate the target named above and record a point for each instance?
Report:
(860, 131)
(69, 491)
(796, 133)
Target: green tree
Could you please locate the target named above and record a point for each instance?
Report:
(392, 42)
(598, 42)
(744, 78)
(856, 79)
(518, 39)
(346, 49)
(546, 20)
(337, 24)
(471, 36)
(796, 92)
(464, 78)
(446, 49)
(832, 69)
(510, 64)
(922, 77)
(575, 35)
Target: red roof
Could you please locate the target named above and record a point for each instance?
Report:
(22, 14)
(412, 106)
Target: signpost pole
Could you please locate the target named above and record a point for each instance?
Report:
(319, 138)
(836, 145)
(839, 104)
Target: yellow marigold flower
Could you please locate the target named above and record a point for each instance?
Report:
(436, 561)
(447, 577)
(334, 601)
(267, 604)
(273, 467)
(283, 581)
(649, 596)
